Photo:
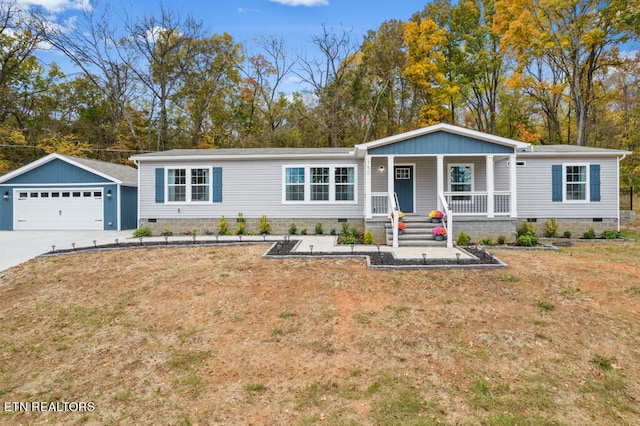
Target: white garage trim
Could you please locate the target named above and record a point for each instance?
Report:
(60, 208)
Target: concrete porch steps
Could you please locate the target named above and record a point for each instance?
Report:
(417, 233)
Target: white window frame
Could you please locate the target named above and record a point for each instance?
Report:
(587, 183)
(297, 184)
(307, 183)
(472, 183)
(188, 185)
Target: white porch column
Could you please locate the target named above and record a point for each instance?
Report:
(440, 179)
(367, 187)
(392, 190)
(513, 185)
(490, 187)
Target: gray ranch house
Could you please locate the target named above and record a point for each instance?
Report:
(484, 184)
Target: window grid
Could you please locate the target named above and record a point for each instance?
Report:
(576, 183)
(345, 183)
(294, 180)
(177, 184)
(200, 185)
(319, 183)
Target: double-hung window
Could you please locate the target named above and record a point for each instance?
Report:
(177, 184)
(345, 183)
(576, 183)
(294, 184)
(461, 180)
(319, 183)
(200, 184)
(316, 184)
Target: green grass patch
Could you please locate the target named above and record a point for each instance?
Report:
(546, 306)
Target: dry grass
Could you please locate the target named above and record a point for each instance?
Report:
(222, 336)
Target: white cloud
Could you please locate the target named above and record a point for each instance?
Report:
(308, 3)
(57, 6)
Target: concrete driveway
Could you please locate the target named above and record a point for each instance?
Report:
(19, 246)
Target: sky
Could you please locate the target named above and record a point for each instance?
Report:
(296, 21)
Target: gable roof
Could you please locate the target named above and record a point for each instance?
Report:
(244, 153)
(117, 173)
(443, 127)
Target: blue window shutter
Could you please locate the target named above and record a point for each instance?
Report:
(556, 182)
(159, 185)
(594, 177)
(217, 184)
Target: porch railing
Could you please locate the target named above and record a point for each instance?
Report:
(380, 204)
(476, 203)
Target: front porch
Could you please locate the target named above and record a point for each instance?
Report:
(481, 187)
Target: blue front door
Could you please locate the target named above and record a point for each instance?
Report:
(404, 187)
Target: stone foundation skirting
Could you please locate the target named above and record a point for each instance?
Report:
(278, 226)
(478, 227)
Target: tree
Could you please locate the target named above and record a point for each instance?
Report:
(578, 37)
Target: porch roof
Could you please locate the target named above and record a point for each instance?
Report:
(442, 139)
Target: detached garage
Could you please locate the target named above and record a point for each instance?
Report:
(61, 192)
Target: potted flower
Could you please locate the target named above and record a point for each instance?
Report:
(439, 233)
(401, 227)
(436, 216)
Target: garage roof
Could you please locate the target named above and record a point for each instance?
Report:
(118, 173)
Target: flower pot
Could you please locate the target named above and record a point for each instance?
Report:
(439, 237)
(434, 220)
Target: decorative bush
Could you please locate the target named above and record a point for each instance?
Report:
(142, 232)
(527, 240)
(319, 230)
(241, 226)
(610, 234)
(303, 232)
(293, 229)
(502, 240)
(223, 226)
(264, 226)
(551, 228)
(526, 229)
(463, 239)
(589, 235)
(167, 232)
(567, 234)
(487, 241)
(368, 237)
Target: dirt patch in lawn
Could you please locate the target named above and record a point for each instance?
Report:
(220, 335)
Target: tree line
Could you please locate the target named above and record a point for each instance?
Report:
(540, 71)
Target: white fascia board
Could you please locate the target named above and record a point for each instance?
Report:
(180, 158)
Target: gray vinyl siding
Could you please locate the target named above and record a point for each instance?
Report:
(535, 191)
(252, 187)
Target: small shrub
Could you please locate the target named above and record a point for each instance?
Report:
(610, 234)
(527, 240)
(303, 232)
(241, 226)
(142, 232)
(463, 239)
(368, 237)
(319, 230)
(333, 232)
(567, 234)
(551, 228)
(526, 229)
(355, 232)
(293, 229)
(223, 226)
(167, 232)
(264, 226)
(345, 228)
(589, 235)
(502, 240)
(256, 388)
(487, 241)
(348, 239)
